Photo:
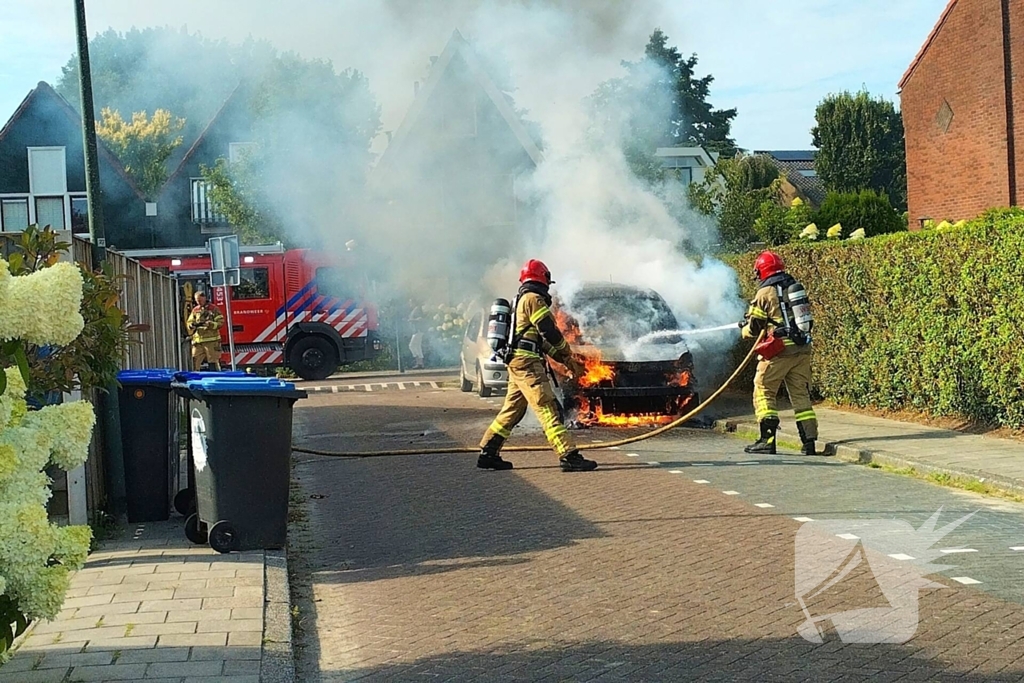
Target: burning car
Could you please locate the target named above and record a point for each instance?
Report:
(638, 371)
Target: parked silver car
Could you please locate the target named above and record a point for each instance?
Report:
(479, 369)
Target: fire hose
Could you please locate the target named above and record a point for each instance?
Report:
(520, 449)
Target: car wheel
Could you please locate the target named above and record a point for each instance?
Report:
(482, 389)
(313, 358)
(465, 385)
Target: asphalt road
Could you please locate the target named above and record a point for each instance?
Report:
(681, 558)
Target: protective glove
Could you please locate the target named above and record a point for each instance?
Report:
(577, 368)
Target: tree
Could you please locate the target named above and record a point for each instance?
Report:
(143, 145)
(165, 68)
(660, 102)
(860, 143)
(306, 116)
(734, 191)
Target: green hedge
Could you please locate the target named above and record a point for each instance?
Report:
(932, 321)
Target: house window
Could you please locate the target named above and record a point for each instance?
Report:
(13, 215)
(685, 175)
(255, 284)
(50, 212)
(47, 171)
(331, 282)
(203, 212)
(79, 215)
(238, 150)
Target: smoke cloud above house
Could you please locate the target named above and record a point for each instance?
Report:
(459, 203)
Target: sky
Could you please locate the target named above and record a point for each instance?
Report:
(773, 61)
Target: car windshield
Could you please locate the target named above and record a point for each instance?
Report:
(621, 314)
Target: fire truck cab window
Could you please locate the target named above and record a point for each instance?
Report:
(333, 283)
(255, 284)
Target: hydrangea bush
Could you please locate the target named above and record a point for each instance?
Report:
(36, 557)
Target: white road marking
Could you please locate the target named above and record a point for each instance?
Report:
(433, 385)
(317, 388)
(675, 471)
(752, 462)
(632, 455)
(653, 463)
(848, 537)
(1017, 547)
(334, 389)
(368, 387)
(951, 551)
(731, 493)
(764, 505)
(351, 387)
(901, 556)
(383, 386)
(701, 464)
(615, 448)
(415, 384)
(401, 386)
(966, 580)
(803, 519)
(701, 481)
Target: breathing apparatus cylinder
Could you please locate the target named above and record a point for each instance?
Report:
(800, 304)
(499, 322)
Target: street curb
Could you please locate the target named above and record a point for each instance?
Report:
(277, 659)
(866, 456)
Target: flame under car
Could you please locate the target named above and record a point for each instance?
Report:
(627, 383)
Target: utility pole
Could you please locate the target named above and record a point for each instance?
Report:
(111, 417)
(97, 236)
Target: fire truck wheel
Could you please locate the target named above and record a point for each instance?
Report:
(482, 389)
(313, 358)
(466, 385)
(194, 530)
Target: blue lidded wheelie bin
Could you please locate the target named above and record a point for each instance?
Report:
(149, 442)
(241, 430)
(185, 498)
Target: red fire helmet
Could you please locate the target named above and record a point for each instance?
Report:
(535, 271)
(768, 263)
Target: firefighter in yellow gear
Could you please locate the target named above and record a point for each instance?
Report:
(535, 336)
(792, 366)
(203, 325)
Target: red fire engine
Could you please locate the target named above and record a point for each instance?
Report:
(297, 308)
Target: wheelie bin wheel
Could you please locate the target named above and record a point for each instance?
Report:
(222, 537)
(194, 531)
(185, 502)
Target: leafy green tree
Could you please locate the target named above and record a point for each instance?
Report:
(734, 191)
(661, 102)
(143, 144)
(306, 116)
(165, 68)
(860, 143)
(771, 224)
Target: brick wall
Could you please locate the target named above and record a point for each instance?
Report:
(960, 171)
(1017, 68)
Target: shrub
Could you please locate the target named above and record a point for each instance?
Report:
(925, 320)
(865, 209)
(771, 224)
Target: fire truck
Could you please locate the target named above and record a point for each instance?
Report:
(296, 308)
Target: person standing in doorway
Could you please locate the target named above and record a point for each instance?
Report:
(203, 325)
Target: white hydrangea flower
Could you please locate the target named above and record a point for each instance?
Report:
(43, 307)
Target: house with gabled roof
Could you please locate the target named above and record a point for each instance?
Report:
(186, 215)
(962, 99)
(801, 177)
(457, 162)
(42, 175)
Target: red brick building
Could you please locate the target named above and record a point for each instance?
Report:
(963, 111)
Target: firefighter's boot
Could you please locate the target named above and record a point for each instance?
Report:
(808, 447)
(766, 444)
(489, 458)
(574, 462)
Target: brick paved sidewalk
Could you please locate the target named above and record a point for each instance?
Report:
(152, 607)
(866, 438)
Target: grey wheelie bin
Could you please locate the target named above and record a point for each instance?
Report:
(185, 498)
(149, 443)
(241, 450)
